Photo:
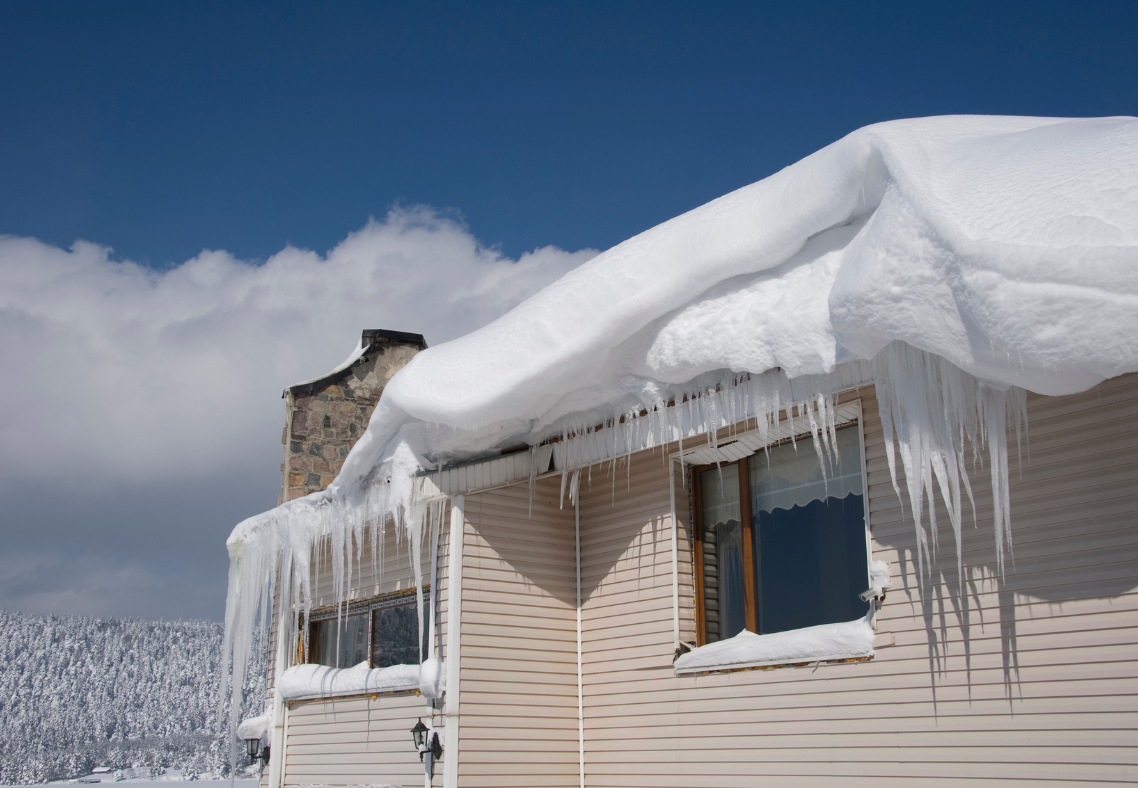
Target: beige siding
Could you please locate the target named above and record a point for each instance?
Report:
(1030, 677)
(361, 740)
(519, 642)
(354, 741)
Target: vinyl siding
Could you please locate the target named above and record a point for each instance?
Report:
(1031, 677)
(355, 741)
(519, 643)
(364, 740)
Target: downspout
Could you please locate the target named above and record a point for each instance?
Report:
(433, 635)
(278, 738)
(675, 558)
(580, 693)
(454, 619)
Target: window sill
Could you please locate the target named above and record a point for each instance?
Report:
(850, 640)
(308, 682)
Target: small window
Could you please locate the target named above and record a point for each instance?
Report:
(340, 647)
(394, 632)
(781, 546)
(380, 632)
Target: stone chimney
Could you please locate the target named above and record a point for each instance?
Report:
(325, 417)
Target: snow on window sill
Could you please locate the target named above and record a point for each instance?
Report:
(822, 643)
(305, 682)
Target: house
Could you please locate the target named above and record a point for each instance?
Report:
(832, 481)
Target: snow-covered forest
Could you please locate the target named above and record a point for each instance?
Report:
(79, 692)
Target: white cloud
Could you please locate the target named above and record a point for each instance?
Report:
(118, 372)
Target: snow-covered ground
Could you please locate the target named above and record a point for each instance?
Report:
(172, 779)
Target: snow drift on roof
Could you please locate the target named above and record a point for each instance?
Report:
(1008, 246)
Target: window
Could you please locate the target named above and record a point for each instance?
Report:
(779, 545)
(381, 631)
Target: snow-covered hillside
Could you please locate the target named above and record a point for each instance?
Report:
(79, 692)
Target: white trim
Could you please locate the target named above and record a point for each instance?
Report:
(433, 599)
(277, 739)
(675, 556)
(865, 498)
(522, 466)
(580, 690)
(451, 710)
(744, 444)
(284, 742)
(483, 475)
(410, 688)
(839, 658)
(850, 411)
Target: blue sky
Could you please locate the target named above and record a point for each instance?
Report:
(492, 143)
(160, 129)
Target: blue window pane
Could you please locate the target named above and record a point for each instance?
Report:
(395, 631)
(809, 535)
(811, 564)
(344, 646)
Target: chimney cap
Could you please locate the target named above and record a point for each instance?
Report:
(368, 339)
(369, 335)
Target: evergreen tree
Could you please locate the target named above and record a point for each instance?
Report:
(79, 692)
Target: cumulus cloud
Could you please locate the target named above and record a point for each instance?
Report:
(128, 372)
(140, 416)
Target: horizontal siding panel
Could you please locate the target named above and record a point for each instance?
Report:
(1031, 677)
(518, 672)
(344, 741)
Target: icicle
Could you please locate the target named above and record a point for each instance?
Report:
(932, 409)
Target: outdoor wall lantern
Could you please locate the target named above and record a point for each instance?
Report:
(426, 741)
(255, 751)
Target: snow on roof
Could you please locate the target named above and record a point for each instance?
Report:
(964, 258)
(1008, 246)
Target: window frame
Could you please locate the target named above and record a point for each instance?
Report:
(357, 607)
(749, 576)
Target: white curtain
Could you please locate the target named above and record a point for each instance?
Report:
(720, 492)
(783, 477)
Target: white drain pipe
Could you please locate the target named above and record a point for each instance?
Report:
(580, 692)
(675, 556)
(454, 620)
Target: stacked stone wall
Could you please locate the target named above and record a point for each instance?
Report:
(324, 420)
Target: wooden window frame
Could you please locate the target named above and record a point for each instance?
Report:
(749, 572)
(359, 607)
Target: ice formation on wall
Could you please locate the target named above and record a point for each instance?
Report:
(956, 262)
